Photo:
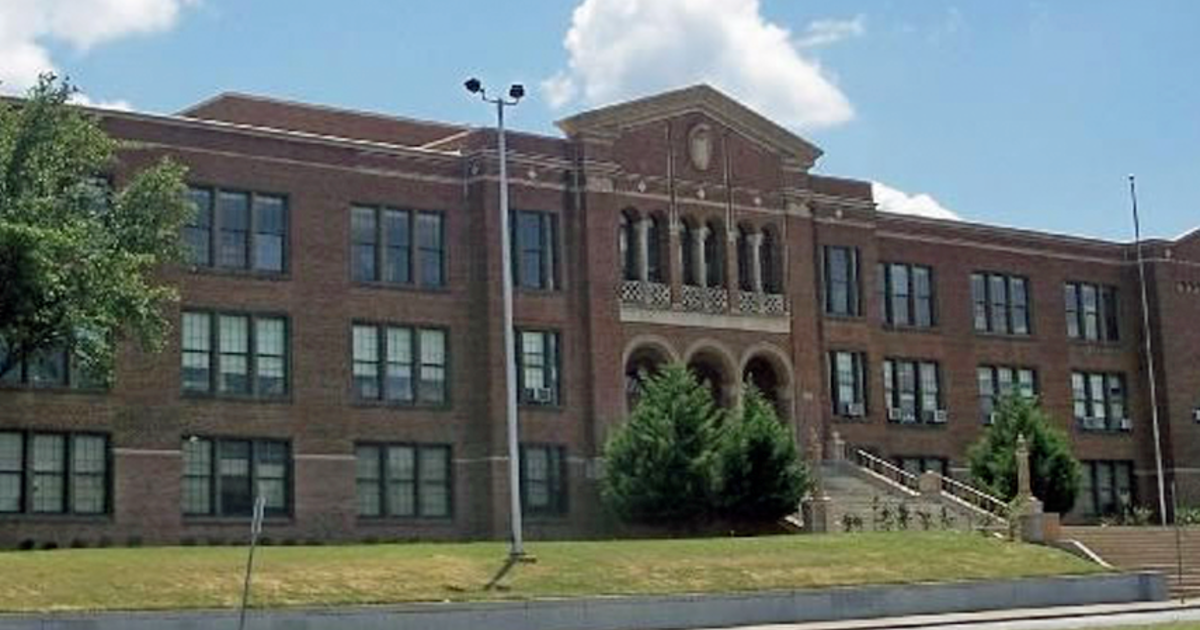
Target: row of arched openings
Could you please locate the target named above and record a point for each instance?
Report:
(713, 369)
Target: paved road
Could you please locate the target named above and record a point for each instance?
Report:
(1050, 619)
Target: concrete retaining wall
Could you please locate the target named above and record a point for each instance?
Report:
(649, 613)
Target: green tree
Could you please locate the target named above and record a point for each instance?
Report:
(1054, 471)
(659, 466)
(77, 262)
(760, 476)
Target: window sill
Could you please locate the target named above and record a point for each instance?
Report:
(235, 272)
(240, 520)
(49, 517)
(863, 419)
(57, 390)
(1106, 431)
(844, 317)
(402, 287)
(910, 328)
(918, 425)
(983, 334)
(237, 398)
(361, 403)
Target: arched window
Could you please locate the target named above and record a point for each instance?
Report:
(627, 244)
(771, 254)
(654, 249)
(687, 246)
(714, 255)
(745, 259)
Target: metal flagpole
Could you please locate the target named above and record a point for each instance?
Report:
(256, 522)
(1158, 461)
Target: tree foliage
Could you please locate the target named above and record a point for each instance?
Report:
(680, 461)
(659, 465)
(1054, 471)
(77, 261)
(760, 475)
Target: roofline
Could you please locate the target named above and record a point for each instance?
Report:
(1028, 233)
(320, 107)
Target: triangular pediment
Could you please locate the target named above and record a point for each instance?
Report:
(703, 98)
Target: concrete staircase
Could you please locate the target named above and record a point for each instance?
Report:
(862, 490)
(1146, 549)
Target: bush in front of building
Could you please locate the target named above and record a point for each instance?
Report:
(682, 462)
(1054, 471)
(759, 474)
(659, 467)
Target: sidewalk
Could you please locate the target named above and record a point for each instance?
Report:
(1066, 616)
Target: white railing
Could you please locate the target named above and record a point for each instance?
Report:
(706, 299)
(887, 470)
(972, 496)
(649, 294)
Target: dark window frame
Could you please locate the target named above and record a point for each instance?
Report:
(912, 299)
(1090, 490)
(548, 249)
(861, 396)
(417, 364)
(217, 509)
(552, 365)
(214, 355)
(252, 232)
(893, 393)
(413, 249)
(989, 400)
(384, 480)
(852, 282)
(557, 482)
(1106, 401)
(27, 475)
(1011, 325)
(1107, 312)
(74, 375)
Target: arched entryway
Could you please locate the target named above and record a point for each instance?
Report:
(642, 363)
(771, 372)
(714, 368)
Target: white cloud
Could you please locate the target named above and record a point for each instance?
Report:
(623, 48)
(27, 27)
(86, 101)
(826, 32)
(889, 199)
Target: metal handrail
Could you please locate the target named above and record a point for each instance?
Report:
(886, 470)
(973, 496)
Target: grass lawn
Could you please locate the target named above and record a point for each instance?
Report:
(211, 577)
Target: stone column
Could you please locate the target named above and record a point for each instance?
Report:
(1024, 488)
(702, 234)
(756, 267)
(642, 240)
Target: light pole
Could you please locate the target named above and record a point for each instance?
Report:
(1158, 461)
(515, 93)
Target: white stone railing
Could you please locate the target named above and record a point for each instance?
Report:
(761, 303)
(647, 294)
(705, 299)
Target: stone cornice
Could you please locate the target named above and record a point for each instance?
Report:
(609, 121)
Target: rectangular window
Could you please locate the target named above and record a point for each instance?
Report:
(53, 473)
(399, 365)
(1091, 311)
(847, 371)
(544, 479)
(998, 381)
(395, 246)
(1000, 303)
(403, 480)
(50, 368)
(912, 390)
(197, 232)
(841, 281)
(1106, 487)
(534, 240)
(538, 365)
(1099, 401)
(907, 294)
(223, 477)
(250, 353)
(237, 230)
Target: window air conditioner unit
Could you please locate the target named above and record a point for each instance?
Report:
(855, 410)
(990, 419)
(1125, 424)
(1196, 414)
(908, 417)
(939, 416)
(539, 395)
(895, 415)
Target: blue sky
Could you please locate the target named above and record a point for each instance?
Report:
(1017, 113)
